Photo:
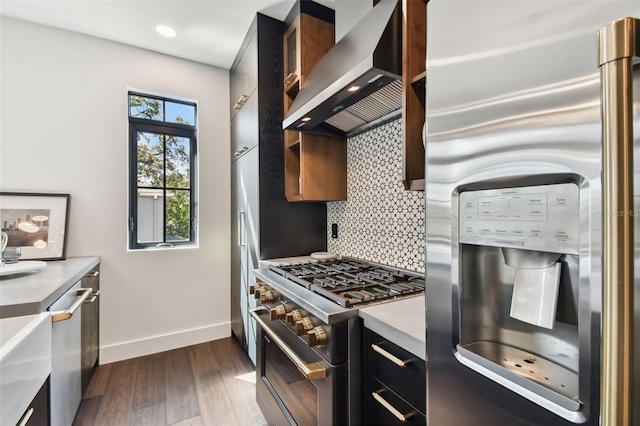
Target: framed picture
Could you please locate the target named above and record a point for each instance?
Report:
(37, 223)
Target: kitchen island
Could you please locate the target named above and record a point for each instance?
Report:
(32, 293)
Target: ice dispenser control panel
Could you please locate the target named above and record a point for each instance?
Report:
(543, 218)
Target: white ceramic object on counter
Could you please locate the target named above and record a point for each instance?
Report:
(323, 255)
(25, 363)
(22, 267)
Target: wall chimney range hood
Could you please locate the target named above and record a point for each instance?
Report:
(358, 81)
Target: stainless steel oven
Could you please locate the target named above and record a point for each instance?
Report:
(297, 385)
(309, 343)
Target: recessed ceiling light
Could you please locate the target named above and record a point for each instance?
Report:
(166, 31)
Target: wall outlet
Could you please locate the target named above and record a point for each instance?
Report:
(334, 230)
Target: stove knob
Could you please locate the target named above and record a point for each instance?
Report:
(317, 337)
(254, 287)
(258, 291)
(268, 296)
(292, 317)
(304, 325)
(278, 313)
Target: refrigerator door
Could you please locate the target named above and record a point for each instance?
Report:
(513, 100)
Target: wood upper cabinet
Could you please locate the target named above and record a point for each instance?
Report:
(306, 40)
(414, 51)
(316, 168)
(315, 165)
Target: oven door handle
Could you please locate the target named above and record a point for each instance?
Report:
(311, 371)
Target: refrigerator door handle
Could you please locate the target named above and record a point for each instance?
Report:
(619, 46)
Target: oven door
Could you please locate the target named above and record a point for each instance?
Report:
(295, 384)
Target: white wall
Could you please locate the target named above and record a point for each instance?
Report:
(63, 122)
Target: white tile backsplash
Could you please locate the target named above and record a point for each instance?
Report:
(380, 221)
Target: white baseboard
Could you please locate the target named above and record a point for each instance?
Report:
(166, 342)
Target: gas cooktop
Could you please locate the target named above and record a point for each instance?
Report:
(352, 282)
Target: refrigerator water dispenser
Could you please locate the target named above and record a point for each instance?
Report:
(519, 292)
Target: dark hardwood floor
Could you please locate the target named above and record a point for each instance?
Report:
(211, 383)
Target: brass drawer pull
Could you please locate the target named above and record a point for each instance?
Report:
(93, 297)
(83, 294)
(241, 151)
(27, 417)
(290, 78)
(397, 361)
(390, 408)
(241, 101)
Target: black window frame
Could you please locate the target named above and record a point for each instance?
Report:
(136, 125)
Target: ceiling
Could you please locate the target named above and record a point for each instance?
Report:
(208, 31)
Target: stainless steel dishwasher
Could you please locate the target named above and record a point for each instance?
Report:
(66, 382)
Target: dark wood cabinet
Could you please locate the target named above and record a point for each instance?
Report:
(90, 327)
(264, 224)
(394, 383)
(414, 42)
(315, 165)
(38, 413)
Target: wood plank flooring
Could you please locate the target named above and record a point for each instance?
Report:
(202, 385)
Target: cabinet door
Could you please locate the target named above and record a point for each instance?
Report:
(409, 381)
(249, 165)
(244, 78)
(382, 406)
(250, 122)
(38, 412)
(245, 128)
(236, 136)
(90, 337)
(238, 239)
(244, 247)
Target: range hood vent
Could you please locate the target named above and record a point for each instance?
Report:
(369, 57)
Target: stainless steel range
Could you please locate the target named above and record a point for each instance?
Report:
(309, 340)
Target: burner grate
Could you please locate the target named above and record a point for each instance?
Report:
(351, 282)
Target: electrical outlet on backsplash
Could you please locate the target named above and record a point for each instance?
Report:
(380, 221)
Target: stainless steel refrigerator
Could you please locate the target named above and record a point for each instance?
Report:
(532, 237)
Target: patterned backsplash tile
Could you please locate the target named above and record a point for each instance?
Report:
(380, 221)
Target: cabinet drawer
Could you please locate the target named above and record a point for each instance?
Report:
(409, 381)
(380, 403)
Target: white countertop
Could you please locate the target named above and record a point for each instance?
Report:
(402, 322)
(33, 292)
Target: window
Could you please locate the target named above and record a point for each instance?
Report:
(162, 153)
